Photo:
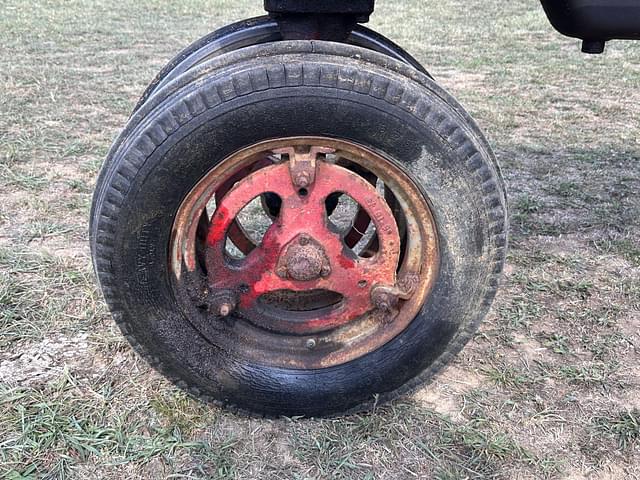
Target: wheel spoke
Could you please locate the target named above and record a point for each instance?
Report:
(237, 233)
(299, 252)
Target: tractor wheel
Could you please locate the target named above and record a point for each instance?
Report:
(299, 228)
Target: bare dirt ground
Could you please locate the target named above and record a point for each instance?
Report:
(550, 386)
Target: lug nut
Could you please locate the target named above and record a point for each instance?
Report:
(326, 270)
(302, 180)
(381, 299)
(311, 344)
(384, 306)
(222, 302)
(225, 309)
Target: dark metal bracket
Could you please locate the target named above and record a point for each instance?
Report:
(331, 20)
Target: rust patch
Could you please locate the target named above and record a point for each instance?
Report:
(301, 254)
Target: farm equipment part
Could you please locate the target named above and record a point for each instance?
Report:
(595, 21)
(297, 220)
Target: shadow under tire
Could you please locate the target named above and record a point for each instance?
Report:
(294, 90)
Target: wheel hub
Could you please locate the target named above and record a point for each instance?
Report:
(303, 260)
(306, 281)
(303, 218)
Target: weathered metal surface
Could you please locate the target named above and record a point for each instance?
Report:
(304, 259)
(386, 298)
(302, 163)
(303, 215)
(236, 233)
(302, 297)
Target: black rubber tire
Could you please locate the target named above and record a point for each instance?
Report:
(297, 89)
(255, 31)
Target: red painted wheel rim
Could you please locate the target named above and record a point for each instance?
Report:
(302, 295)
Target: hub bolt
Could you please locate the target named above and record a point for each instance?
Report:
(382, 300)
(303, 260)
(225, 309)
(302, 180)
(222, 302)
(384, 306)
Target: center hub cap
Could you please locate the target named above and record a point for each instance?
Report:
(304, 260)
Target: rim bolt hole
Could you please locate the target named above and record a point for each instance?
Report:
(362, 283)
(303, 192)
(244, 288)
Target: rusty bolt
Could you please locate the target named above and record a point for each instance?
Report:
(381, 299)
(225, 309)
(302, 180)
(222, 302)
(304, 262)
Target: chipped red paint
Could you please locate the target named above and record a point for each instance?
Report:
(302, 215)
(346, 262)
(235, 232)
(218, 227)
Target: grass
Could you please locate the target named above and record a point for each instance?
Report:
(549, 388)
(62, 427)
(624, 427)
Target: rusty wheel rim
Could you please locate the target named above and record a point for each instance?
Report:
(306, 294)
